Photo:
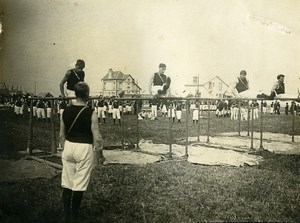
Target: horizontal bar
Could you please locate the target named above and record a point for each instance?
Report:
(170, 98)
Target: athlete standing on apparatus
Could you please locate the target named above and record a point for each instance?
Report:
(72, 77)
(160, 83)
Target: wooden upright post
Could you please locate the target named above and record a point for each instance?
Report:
(30, 129)
(53, 141)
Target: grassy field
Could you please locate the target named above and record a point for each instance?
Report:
(170, 191)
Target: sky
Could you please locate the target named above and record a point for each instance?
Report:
(42, 39)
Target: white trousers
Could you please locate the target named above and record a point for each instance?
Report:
(101, 112)
(78, 161)
(49, 111)
(116, 113)
(154, 110)
(173, 113)
(40, 113)
(178, 114)
(195, 114)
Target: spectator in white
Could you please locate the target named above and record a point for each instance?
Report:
(255, 110)
(128, 107)
(265, 107)
(240, 88)
(116, 110)
(164, 108)
(154, 103)
(17, 107)
(102, 106)
(72, 77)
(272, 108)
(48, 110)
(34, 108)
(195, 109)
(22, 106)
(40, 112)
(81, 140)
(110, 107)
(178, 111)
(171, 110)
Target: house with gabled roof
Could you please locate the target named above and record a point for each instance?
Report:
(116, 83)
(213, 88)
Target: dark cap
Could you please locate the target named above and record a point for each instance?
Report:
(279, 76)
(243, 72)
(80, 63)
(162, 65)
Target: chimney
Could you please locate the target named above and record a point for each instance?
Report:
(110, 73)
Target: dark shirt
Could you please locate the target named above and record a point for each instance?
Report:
(159, 80)
(18, 103)
(62, 105)
(40, 104)
(116, 104)
(101, 103)
(48, 104)
(74, 79)
(179, 107)
(242, 85)
(280, 89)
(81, 131)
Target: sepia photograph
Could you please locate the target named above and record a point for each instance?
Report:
(149, 111)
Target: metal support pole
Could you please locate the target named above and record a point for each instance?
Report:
(187, 133)
(137, 125)
(239, 118)
(261, 125)
(30, 129)
(208, 122)
(53, 143)
(252, 111)
(170, 129)
(293, 122)
(248, 119)
(122, 126)
(198, 138)
(92, 104)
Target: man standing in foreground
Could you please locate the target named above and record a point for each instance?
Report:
(72, 77)
(81, 140)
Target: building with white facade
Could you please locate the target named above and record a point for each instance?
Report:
(214, 88)
(116, 83)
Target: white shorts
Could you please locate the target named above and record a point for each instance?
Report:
(110, 109)
(101, 112)
(22, 110)
(49, 112)
(196, 114)
(164, 109)
(173, 113)
(178, 114)
(116, 113)
(40, 113)
(34, 110)
(17, 109)
(78, 162)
